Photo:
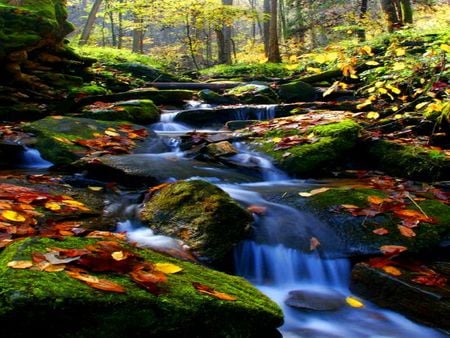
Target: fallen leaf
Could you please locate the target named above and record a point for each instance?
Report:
(211, 292)
(381, 231)
(415, 214)
(95, 188)
(431, 280)
(257, 209)
(167, 268)
(392, 249)
(405, 231)
(13, 216)
(146, 276)
(53, 258)
(53, 206)
(111, 133)
(20, 264)
(354, 302)
(376, 200)
(313, 243)
(392, 270)
(118, 255)
(96, 283)
(314, 192)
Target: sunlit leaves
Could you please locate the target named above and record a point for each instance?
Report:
(13, 216)
(354, 302)
(23, 264)
(167, 268)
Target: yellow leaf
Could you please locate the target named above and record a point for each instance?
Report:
(291, 66)
(382, 90)
(354, 302)
(398, 116)
(53, 206)
(393, 89)
(392, 270)
(314, 70)
(111, 133)
(314, 192)
(364, 104)
(73, 203)
(13, 216)
(63, 140)
(379, 84)
(118, 255)
(399, 66)
(400, 51)
(276, 139)
(167, 268)
(373, 115)
(445, 48)
(367, 50)
(421, 105)
(20, 264)
(95, 188)
(371, 89)
(372, 63)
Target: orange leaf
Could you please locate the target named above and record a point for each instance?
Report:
(392, 270)
(256, 209)
(405, 231)
(211, 292)
(96, 283)
(392, 249)
(408, 213)
(381, 231)
(377, 200)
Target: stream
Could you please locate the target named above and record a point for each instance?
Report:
(274, 269)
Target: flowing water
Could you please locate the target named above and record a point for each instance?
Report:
(31, 159)
(276, 269)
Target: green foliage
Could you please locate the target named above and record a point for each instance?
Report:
(245, 70)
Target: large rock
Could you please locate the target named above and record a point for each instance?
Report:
(145, 169)
(199, 213)
(426, 304)
(297, 91)
(56, 136)
(410, 161)
(322, 149)
(144, 72)
(328, 300)
(66, 307)
(135, 111)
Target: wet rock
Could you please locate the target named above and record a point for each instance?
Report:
(135, 111)
(425, 304)
(32, 297)
(297, 91)
(144, 169)
(56, 136)
(410, 161)
(144, 72)
(223, 148)
(329, 147)
(316, 300)
(236, 125)
(210, 96)
(255, 92)
(200, 214)
(311, 333)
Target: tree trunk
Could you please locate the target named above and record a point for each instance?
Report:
(266, 26)
(224, 40)
(362, 15)
(138, 37)
(407, 11)
(390, 12)
(90, 23)
(274, 48)
(113, 31)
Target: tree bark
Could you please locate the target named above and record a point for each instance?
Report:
(266, 26)
(274, 48)
(90, 23)
(407, 11)
(362, 15)
(138, 37)
(390, 12)
(224, 40)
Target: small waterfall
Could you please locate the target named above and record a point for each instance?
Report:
(31, 159)
(277, 270)
(259, 112)
(166, 124)
(193, 104)
(247, 158)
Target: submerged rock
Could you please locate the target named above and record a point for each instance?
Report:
(70, 308)
(200, 214)
(316, 300)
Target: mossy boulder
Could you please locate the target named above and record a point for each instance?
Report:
(65, 307)
(87, 90)
(27, 24)
(199, 213)
(135, 111)
(333, 144)
(255, 92)
(56, 136)
(410, 161)
(429, 305)
(356, 232)
(210, 96)
(297, 91)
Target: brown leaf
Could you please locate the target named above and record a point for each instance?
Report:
(313, 243)
(211, 292)
(257, 209)
(147, 277)
(414, 214)
(405, 231)
(96, 283)
(392, 249)
(25, 264)
(381, 231)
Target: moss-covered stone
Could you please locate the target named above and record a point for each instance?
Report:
(61, 306)
(410, 161)
(297, 91)
(86, 90)
(255, 92)
(199, 213)
(56, 136)
(356, 232)
(135, 111)
(335, 142)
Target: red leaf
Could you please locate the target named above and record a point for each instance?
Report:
(431, 280)
(405, 231)
(381, 231)
(148, 278)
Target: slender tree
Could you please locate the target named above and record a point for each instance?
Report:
(90, 23)
(224, 40)
(274, 47)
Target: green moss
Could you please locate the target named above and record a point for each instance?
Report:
(256, 70)
(297, 91)
(410, 161)
(69, 308)
(201, 214)
(54, 136)
(357, 230)
(335, 142)
(91, 89)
